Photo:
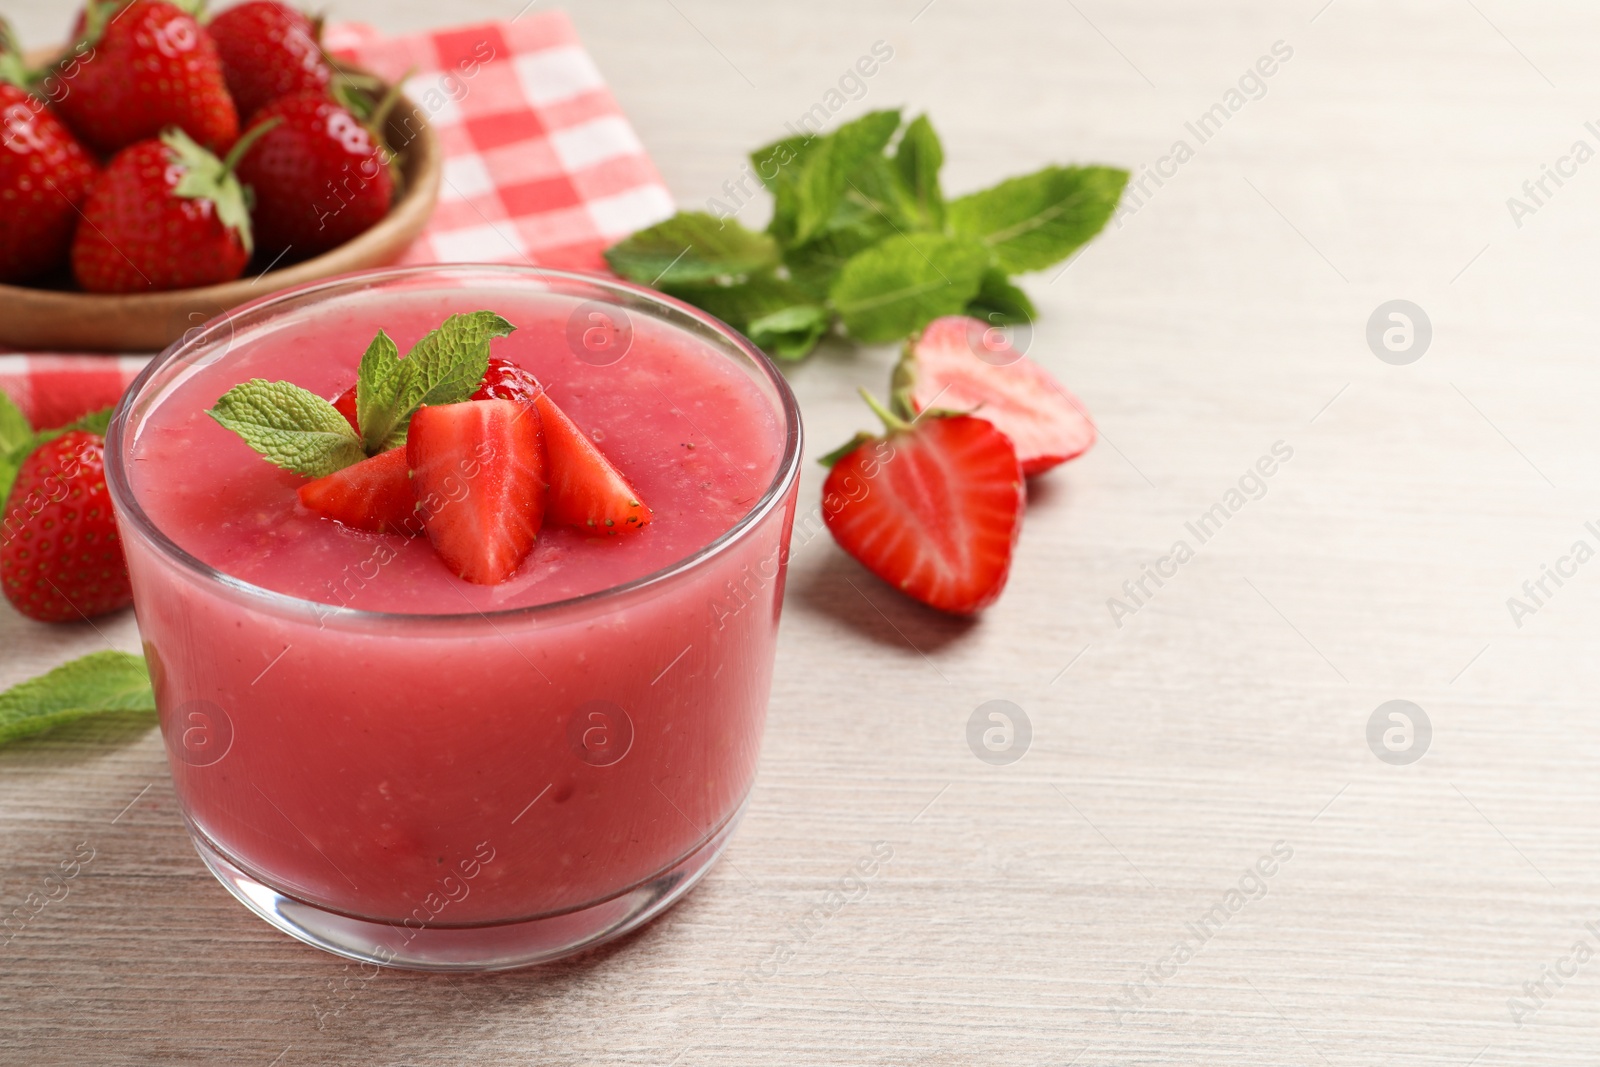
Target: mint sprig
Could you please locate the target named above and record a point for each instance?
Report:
(863, 235)
(444, 367)
(96, 684)
(302, 432)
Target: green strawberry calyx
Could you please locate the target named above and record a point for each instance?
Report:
(13, 69)
(900, 416)
(205, 177)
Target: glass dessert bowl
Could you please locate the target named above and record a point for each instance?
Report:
(406, 768)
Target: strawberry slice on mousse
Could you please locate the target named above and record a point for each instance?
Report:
(586, 490)
(478, 470)
(374, 494)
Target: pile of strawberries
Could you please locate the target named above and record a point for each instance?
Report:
(165, 151)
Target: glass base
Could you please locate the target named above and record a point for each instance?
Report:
(493, 947)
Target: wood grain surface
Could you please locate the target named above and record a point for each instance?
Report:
(1024, 905)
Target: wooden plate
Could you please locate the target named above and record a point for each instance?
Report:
(39, 320)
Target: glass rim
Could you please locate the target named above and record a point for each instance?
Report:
(127, 506)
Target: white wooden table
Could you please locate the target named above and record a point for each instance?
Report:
(1024, 903)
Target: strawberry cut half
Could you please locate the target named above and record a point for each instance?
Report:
(478, 474)
(933, 508)
(963, 364)
(374, 494)
(586, 489)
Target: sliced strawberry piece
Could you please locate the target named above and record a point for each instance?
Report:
(345, 402)
(963, 364)
(478, 473)
(374, 494)
(586, 491)
(933, 508)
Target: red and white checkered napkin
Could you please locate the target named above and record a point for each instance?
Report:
(541, 167)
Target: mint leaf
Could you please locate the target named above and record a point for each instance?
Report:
(902, 284)
(815, 265)
(999, 302)
(807, 191)
(444, 367)
(825, 175)
(377, 386)
(1039, 219)
(875, 190)
(779, 165)
(291, 426)
(776, 314)
(874, 202)
(791, 332)
(773, 162)
(691, 247)
(917, 159)
(875, 205)
(95, 684)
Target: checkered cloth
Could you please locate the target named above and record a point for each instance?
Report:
(540, 167)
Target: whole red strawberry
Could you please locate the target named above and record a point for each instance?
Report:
(165, 214)
(933, 507)
(151, 66)
(44, 175)
(268, 50)
(60, 558)
(319, 177)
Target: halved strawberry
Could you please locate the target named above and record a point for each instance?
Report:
(933, 508)
(374, 494)
(478, 473)
(963, 364)
(586, 491)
